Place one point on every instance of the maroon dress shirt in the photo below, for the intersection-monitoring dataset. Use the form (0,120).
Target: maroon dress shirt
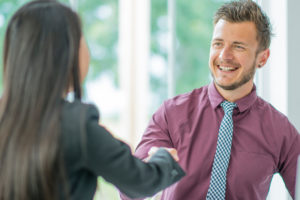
(264,142)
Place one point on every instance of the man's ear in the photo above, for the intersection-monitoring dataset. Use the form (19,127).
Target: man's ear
(263,57)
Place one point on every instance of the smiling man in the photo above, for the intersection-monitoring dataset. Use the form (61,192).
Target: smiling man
(230,141)
(234,56)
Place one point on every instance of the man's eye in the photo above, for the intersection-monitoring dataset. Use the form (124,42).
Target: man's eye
(217,44)
(239,47)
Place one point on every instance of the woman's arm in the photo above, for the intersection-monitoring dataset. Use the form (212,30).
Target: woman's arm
(113,160)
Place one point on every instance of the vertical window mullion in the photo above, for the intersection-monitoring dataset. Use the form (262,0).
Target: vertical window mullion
(171,47)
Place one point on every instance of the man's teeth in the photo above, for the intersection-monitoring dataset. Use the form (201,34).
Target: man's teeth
(223,68)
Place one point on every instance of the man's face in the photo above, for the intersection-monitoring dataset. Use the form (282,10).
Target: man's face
(233,58)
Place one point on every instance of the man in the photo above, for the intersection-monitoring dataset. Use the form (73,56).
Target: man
(230,141)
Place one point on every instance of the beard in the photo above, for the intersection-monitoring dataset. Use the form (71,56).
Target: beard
(246,76)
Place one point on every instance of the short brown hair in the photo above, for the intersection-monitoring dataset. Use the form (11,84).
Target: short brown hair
(247,10)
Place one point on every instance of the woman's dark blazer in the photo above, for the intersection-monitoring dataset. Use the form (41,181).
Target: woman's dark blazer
(89,151)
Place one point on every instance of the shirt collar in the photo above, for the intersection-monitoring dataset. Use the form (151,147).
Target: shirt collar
(243,104)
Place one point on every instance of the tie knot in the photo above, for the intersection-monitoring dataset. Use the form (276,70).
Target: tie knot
(228,106)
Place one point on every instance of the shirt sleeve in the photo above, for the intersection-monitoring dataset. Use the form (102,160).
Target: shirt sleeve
(112,159)
(288,157)
(156,134)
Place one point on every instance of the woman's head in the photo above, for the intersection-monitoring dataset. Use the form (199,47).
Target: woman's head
(42,51)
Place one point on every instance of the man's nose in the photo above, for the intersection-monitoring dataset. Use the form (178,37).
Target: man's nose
(226,53)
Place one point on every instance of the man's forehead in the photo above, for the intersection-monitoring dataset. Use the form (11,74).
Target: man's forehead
(244,32)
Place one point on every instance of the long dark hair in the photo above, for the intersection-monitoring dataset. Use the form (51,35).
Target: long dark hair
(40,65)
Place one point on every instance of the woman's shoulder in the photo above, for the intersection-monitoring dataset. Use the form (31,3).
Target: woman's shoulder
(78,110)
(78,106)
(74,119)
(76,114)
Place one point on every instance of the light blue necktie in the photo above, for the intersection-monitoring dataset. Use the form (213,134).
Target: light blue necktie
(217,186)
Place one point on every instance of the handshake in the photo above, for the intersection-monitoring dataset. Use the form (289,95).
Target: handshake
(171,151)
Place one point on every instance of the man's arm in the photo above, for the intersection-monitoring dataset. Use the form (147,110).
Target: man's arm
(288,158)
(156,135)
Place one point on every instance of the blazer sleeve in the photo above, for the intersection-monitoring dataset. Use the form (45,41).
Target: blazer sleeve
(112,159)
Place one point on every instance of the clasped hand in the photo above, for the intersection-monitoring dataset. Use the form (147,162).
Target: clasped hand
(172,151)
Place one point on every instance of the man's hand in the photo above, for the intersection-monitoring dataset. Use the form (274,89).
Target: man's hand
(172,151)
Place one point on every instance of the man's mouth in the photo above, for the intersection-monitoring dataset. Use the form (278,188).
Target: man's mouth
(227,68)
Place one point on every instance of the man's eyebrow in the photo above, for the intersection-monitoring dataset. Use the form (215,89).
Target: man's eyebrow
(235,42)
(218,39)
(239,43)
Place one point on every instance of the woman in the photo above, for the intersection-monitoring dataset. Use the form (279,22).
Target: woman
(49,148)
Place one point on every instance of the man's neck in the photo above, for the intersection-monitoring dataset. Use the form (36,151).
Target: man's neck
(236,94)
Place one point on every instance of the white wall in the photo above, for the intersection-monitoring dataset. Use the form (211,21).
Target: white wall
(293,56)
(277,82)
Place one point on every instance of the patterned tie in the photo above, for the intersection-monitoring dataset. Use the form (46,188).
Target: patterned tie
(217,185)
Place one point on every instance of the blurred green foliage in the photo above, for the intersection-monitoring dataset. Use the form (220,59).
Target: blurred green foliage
(193,33)
(194,29)
(100,26)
